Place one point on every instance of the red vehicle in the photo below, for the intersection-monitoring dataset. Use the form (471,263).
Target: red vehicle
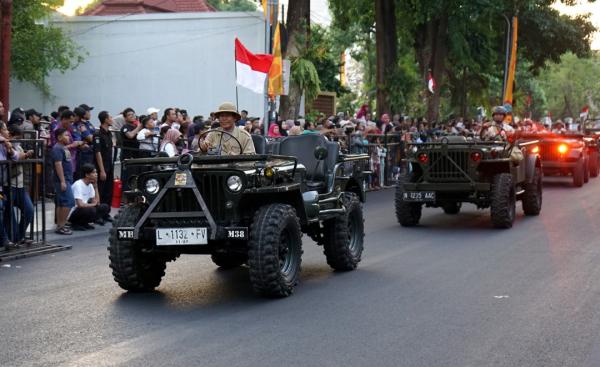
(568,154)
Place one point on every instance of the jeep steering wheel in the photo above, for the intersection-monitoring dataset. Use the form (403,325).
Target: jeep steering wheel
(221,140)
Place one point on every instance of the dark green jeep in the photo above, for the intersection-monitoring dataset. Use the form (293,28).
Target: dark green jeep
(242,209)
(456,170)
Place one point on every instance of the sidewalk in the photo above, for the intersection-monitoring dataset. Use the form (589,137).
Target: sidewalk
(54,242)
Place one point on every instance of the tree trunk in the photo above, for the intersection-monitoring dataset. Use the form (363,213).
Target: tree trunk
(437,64)
(298,26)
(387,51)
(567,112)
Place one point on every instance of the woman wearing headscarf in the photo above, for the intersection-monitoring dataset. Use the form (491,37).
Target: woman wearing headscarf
(169,142)
(274,131)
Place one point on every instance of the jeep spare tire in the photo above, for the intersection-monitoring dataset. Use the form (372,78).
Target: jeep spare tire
(228,261)
(452,208)
(275,250)
(407,213)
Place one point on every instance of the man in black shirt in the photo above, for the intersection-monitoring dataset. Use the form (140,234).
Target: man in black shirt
(129,135)
(103,148)
(129,144)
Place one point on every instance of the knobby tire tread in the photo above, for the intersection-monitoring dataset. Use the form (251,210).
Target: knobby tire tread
(336,244)
(263,250)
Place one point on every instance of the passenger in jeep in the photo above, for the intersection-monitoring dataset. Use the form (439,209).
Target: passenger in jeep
(224,143)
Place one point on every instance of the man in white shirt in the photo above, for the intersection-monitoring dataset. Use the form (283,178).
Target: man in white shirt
(87,201)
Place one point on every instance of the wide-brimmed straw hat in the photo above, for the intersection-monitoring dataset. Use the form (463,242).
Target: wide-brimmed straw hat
(229,108)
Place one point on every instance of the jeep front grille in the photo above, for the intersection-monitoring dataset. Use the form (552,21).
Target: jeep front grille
(549,152)
(443,170)
(210,186)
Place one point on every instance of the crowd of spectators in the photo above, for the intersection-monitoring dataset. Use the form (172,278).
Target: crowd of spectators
(81,153)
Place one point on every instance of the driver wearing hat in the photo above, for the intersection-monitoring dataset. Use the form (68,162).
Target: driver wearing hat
(228,117)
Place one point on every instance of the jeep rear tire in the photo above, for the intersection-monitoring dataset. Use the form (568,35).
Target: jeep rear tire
(578,174)
(408,214)
(452,208)
(532,197)
(586,171)
(594,164)
(503,201)
(343,236)
(275,250)
(133,269)
(228,261)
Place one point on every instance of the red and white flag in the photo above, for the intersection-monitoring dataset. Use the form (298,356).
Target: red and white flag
(251,69)
(430,83)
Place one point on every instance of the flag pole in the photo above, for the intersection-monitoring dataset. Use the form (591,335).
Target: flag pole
(237,105)
(267,51)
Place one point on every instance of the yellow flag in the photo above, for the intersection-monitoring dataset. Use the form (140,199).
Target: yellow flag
(508,94)
(276,71)
(273,4)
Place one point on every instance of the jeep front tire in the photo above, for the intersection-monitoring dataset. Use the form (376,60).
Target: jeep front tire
(532,197)
(503,201)
(275,250)
(133,269)
(578,173)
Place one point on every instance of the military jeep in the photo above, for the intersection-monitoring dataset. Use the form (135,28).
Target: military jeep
(242,209)
(456,170)
(568,154)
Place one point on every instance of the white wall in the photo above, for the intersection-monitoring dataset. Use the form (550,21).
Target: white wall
(179,59)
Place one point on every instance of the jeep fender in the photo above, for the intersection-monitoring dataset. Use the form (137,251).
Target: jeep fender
(251,202)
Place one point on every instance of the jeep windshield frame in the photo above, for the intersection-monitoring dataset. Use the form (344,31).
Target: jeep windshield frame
(246,161)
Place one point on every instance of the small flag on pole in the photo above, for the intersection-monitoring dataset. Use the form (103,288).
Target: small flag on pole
(251,69)
(430,83)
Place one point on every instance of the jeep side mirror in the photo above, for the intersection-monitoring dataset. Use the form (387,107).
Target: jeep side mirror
(320,153)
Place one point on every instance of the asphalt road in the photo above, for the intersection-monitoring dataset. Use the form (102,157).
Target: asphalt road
(452,292)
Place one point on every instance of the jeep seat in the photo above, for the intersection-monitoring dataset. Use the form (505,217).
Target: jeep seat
(303,147)
(260,144)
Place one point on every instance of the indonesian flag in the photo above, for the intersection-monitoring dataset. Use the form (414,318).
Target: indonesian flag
(430,83)
(251,69)
(584,112)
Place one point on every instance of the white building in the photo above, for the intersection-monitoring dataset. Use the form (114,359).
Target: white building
(169,59)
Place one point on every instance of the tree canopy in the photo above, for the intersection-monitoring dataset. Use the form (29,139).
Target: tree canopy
(462,44)
(38,49)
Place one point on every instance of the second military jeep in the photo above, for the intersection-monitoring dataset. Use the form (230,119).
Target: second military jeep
(569,154)
(456,170)
(242,209)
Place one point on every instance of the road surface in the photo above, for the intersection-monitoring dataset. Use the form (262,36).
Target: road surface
(452,292)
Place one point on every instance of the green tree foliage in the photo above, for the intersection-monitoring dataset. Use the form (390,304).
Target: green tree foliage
(233,5)
(463,44)
(39,49)
(571,84)
(325,53)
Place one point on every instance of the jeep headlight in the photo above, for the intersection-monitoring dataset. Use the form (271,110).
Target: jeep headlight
(152,186)
(234,183)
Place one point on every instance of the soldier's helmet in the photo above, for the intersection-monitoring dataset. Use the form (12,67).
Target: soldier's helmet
(499,110)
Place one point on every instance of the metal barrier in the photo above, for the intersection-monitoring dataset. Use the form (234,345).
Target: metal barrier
(24,187)
(386,152)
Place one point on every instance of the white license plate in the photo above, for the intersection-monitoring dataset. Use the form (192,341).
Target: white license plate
(419,196)
(181,236)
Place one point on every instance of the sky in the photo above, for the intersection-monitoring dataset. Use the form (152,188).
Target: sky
(319,12)
(581,8)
